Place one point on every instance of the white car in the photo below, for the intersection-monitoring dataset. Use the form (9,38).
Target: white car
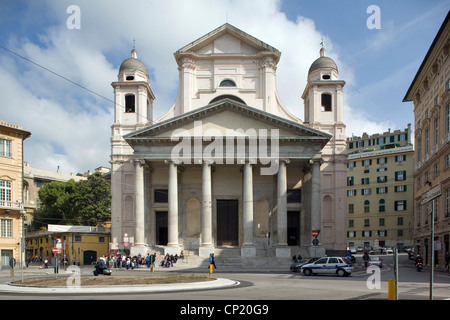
(328,265)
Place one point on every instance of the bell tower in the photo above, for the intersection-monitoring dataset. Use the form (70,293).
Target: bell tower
(133,110)
(323,106)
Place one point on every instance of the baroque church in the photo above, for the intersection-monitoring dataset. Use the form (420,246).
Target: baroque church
(228,166)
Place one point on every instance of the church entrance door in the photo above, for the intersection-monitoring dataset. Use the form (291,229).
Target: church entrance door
(161,228)
(227,222)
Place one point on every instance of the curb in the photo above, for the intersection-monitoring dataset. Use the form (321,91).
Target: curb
(216,284)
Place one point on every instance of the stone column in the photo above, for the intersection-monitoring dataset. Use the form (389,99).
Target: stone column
(316,208)
(139,240)
(248,247)
(172,224)
(282,249)
(206,210)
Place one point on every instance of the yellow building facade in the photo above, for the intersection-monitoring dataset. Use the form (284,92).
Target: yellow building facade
(80,244)
(380,190)
(11,195)
(430,93)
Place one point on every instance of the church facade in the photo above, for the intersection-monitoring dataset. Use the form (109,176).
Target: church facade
(228,166)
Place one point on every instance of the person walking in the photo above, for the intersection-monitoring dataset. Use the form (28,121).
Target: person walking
(212,260)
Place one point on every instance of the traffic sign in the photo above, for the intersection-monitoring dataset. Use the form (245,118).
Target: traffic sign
(315,242)
(315,233)
(126,244)
(56,250)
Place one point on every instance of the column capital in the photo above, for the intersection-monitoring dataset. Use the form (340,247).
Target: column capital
(136,162)
(286,161)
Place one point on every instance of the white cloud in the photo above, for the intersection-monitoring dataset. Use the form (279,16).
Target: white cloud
(71,127)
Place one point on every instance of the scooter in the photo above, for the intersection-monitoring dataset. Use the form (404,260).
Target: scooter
(419,266)
(105,271)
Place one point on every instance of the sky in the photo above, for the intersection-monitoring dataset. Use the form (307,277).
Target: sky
(68,106)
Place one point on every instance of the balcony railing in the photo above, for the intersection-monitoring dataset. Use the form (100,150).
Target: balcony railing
(11,205)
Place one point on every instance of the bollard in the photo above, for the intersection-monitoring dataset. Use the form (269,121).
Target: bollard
(391,290)
(153,268)
(210,268)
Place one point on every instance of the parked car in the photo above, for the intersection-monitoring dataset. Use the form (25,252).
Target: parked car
(375,261)
(389,250)
(351,249)
(328,265)
(296,266)
(378,251)
(359,249)
(407,249)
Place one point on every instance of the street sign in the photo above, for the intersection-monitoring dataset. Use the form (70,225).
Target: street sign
(56,250)
(126,244)
(315,242)
(431,194)
(315,233)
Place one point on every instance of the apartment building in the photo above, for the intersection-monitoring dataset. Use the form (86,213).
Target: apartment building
(430,93)
(11,196)
(379,190)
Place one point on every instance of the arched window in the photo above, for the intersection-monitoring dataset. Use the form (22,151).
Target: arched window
(227,83)
(227,96)
(130,103)
(326,101)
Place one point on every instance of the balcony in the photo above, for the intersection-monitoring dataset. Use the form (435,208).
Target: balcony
(10,205)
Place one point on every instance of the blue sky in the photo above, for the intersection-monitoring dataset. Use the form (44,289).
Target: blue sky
(71,126)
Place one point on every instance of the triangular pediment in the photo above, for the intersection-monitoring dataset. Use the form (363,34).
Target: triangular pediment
(227,40)
(225,118)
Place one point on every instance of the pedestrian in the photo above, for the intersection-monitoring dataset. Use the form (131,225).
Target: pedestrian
(447,261)
(212,260)
(366,259)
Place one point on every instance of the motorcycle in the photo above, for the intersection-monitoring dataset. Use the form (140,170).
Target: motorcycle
(104,271)
(419,266)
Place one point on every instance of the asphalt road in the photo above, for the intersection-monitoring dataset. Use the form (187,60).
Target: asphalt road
(283,285)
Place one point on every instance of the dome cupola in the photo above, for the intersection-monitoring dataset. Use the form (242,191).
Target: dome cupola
(323,68)
(133,69)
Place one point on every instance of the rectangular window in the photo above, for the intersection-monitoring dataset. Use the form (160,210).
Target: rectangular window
(366,222)
(350,181)
(400,205)
(351,208)
(400,175)
(5,193)
(365,191)
(382,179)
(381,190)
(400,188)
(5,148)
(161,195)
(294,195)
(351,193)
(365,181)
(447,203)
(6,228)
(400,221)
(366,163)
(381,222)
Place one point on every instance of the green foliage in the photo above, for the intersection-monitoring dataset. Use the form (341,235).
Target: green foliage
(74,203)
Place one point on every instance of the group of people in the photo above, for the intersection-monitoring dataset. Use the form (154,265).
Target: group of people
(131,262)
(170,259)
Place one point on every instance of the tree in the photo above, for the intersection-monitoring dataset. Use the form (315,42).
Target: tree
(74,203)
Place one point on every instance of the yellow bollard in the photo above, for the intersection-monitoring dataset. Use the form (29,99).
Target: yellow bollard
(211,268)
(391,289)
(153,268)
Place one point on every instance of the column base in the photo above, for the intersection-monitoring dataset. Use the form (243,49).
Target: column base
(205,251)
(316,251)
(141,249)
(283,252)
(248,251)
(172,250)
